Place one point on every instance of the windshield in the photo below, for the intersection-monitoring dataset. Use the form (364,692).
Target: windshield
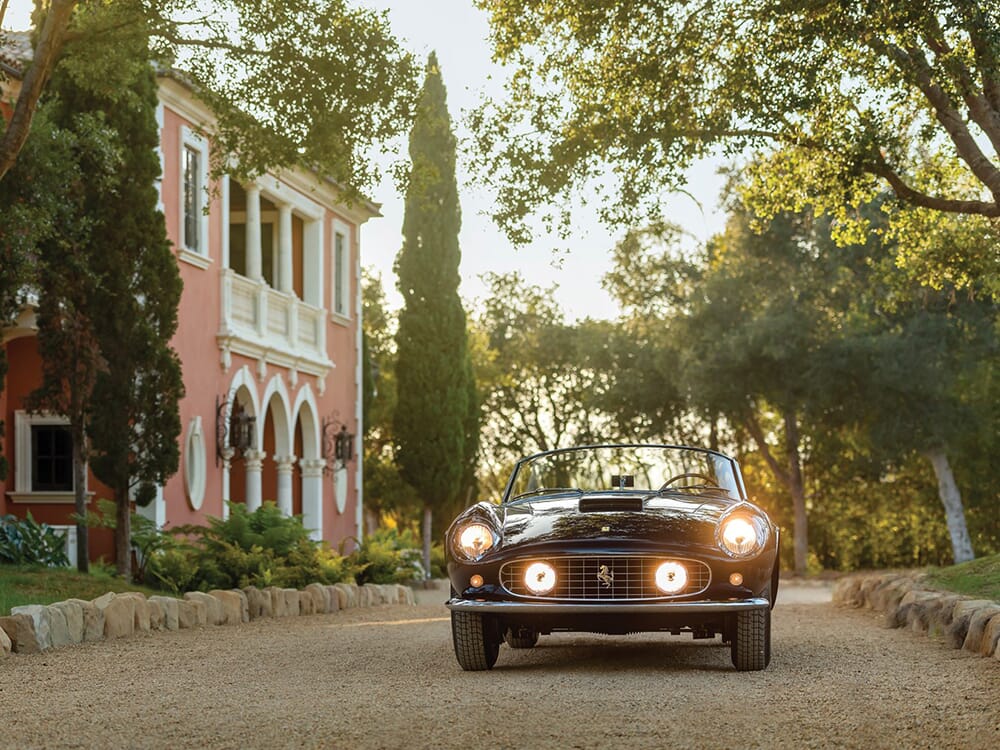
(642,468)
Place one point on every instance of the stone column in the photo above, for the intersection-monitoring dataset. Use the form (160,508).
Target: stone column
(253,234)
(285,248)
(227,465)
(285,464)
(254,462)
(312,496)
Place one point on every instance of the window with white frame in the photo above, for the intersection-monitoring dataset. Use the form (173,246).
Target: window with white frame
(51,458)
(43,458)
(341,269)
(194,193)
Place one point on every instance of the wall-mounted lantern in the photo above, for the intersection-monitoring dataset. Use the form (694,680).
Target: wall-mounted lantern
(338,444)
(234,434)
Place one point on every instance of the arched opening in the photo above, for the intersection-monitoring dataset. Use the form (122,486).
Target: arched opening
(237,471)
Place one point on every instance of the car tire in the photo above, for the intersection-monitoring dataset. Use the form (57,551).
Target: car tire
(476,644)
(751,640)
(524,638)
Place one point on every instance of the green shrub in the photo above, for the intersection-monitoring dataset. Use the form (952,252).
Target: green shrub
(263,548)
(146,540)
(174,569)
(388,556)
(27,542)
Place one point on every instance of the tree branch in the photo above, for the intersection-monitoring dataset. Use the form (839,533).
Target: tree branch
(917,198)
(982,112)
(50,42)
(983,48)
(953,123)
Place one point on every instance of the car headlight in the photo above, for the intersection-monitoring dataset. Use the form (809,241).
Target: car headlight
(540,578)
(741,535)
(473,540)
(671,577)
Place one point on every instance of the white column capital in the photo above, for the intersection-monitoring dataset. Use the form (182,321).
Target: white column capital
(312,467)
(254,460)
(285,463)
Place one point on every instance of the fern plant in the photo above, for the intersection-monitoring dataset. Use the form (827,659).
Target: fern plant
(24,541)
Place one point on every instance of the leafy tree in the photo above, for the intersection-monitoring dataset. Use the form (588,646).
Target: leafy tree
(848,98)
(431,421)
(817,356)
(387,496)
(33,204)
(68,302)
(746,333)
(135,431)
(69,297)
(916,359)
(312,83)
(544,378)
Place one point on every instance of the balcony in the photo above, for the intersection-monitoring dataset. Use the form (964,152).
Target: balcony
(271,326)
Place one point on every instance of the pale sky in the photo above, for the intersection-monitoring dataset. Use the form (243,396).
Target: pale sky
(458,32)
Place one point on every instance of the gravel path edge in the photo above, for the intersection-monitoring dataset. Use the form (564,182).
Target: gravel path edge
(960,622)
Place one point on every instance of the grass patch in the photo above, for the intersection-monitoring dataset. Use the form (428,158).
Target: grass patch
(977,578)
(40,585)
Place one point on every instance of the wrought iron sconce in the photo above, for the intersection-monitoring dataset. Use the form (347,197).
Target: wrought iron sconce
(234,432)
(338,444)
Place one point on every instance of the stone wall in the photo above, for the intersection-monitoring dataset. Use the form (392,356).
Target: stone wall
(959,621)
(37,627)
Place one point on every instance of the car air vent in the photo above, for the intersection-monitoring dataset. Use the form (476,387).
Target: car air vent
(609,504)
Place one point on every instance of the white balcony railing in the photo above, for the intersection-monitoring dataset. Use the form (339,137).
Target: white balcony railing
(263,322)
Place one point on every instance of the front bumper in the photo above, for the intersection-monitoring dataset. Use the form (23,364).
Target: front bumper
(693,609)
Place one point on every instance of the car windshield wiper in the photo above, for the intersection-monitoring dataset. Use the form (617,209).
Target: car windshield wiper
(547,490)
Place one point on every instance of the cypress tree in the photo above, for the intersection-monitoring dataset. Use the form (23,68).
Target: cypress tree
(135,422)
(431,421)
(69,293)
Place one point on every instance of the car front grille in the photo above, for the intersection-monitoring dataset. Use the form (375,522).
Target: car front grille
(605,578)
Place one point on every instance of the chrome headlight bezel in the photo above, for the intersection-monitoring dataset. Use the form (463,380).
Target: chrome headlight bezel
(754,521)
(461,540)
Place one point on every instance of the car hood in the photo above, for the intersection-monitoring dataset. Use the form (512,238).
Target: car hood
(659,520)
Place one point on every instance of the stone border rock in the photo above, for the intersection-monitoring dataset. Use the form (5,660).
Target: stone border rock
(33,628)
(960,621)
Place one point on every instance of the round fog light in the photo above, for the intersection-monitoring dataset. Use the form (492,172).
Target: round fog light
(671,577)
(736,579)
(476,581)
(540,578)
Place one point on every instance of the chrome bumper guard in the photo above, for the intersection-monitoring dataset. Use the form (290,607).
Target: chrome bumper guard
(610,608)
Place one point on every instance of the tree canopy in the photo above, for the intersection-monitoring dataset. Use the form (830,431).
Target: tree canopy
(310,83)
(845,99)
(818,361)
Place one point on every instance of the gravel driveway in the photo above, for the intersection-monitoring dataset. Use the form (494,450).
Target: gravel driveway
(387,678)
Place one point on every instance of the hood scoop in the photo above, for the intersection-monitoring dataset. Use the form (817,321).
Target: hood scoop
(610,504)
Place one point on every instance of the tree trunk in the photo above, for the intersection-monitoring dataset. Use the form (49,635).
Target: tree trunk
(951,499)
(371,519)
(428,517)
(36,77)
(123,533)
(796,488)
(80,500)
(790,476)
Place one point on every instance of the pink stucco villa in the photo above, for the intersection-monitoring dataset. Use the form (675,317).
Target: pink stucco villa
(269,338)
